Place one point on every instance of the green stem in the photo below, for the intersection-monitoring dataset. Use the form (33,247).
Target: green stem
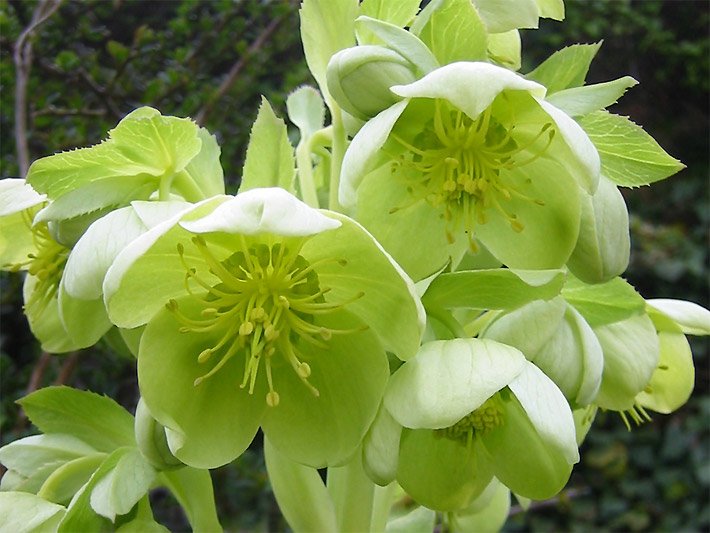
(382,504)
(339,142)
(192,489)
(305,175)
(352,493)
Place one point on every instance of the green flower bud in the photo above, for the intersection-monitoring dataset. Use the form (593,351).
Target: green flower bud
(360,78)
(152,442)
(603,246)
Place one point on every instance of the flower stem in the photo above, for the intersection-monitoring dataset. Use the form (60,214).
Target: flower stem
(339,142)
(352,493)
(305,175)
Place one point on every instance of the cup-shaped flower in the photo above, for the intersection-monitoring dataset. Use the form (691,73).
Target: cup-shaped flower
(31,247)
(262,311)
(472,409)
(554,336)
(472,153)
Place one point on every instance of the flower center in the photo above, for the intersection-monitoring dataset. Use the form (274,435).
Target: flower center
(46,263)
(263,305)
(486,417)
(463,165)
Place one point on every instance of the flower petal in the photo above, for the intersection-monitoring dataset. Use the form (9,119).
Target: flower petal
(207,425)
(470,86)
(350,375)
(263,210)
(447,380)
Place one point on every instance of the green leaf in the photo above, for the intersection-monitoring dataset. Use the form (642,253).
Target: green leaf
(630,157)
(500,16)
(399,13)
(604,303)
(97,420)
(565,68)
(269,161)
(29,454)
(120,489)
(578,101)
(80,516)
(453,31)
(498,288)
(327,26)
(62,484)
(293,484)
(551,9)
(21,512)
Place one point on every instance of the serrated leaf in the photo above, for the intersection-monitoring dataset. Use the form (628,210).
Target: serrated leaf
(630,157)
(398,12)
(97,420)
(453,31)
(120,489)
(565,68)
(578,101)
(269,161)
(492,289)
(144,145)
(327,26)
(604,303)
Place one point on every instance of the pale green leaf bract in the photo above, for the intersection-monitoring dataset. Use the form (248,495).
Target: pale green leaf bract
(492,289)
(21,512)
(269,160)
(630,157)
(120,489)
(306,110)
(17,195)
(509,15)
(453,31)
(326,27)
(28,454)
(552,9)
(578,101)
(565,68)
(97,420)
(604,303)
(418,520)
(399,13)
(62,484)
(692,318)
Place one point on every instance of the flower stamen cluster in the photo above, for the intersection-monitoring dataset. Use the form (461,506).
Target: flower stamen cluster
(486,417)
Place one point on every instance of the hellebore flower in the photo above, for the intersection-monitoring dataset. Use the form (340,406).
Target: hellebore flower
(469,410)
(262,311)
(31,247)
(473,153)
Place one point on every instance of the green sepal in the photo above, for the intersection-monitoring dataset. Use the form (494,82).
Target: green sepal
(418,520)
(269,160)
(488,517)
(498,288)
(603,303)
(565,68)
(294,483)
(97,420)
(630,157)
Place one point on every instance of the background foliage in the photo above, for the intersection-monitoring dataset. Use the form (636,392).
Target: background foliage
(96,60)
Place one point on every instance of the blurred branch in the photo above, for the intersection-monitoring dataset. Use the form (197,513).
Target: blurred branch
(22,57)
(63,111)
(202,114)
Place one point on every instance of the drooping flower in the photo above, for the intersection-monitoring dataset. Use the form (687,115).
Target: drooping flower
(261,311)
(463,411)
(473,154)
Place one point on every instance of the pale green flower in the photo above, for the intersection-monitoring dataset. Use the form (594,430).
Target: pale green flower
(472,154)
(262,311)
(463,411)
